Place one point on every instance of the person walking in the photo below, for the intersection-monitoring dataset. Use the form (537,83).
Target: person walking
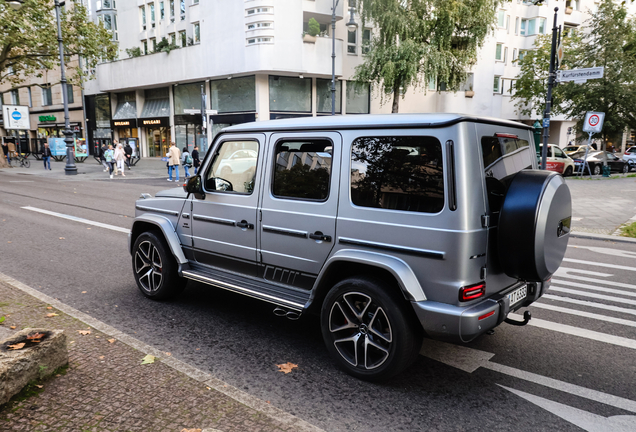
(195,159)
(102,159)
(46,156)
(109,155)
(128,151)
(120,157)
(5,150)
(174,157)
(186,160)
(114,147)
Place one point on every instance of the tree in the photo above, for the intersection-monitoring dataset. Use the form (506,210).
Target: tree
(28,40)
(419,39)
(607,39)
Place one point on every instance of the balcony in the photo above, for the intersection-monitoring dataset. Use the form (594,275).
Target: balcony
(313,8)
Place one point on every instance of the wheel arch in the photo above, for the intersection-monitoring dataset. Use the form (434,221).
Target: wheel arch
(160,225)
(351,262)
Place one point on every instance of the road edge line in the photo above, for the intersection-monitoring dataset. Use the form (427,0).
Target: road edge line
(192,372)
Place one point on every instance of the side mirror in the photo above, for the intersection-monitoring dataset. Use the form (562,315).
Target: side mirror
(195,186)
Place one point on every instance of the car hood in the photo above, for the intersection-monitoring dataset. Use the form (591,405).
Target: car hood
(177,192)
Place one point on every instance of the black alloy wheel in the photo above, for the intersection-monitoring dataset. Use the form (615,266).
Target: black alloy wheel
(568,171)
(369,330)
(155,269)
(625,168)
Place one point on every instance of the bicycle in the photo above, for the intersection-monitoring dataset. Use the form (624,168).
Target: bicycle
(24,162)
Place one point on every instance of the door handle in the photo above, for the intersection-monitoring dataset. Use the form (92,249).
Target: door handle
(320,236)
(244,224)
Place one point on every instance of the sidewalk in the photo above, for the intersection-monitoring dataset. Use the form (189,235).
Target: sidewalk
(106,388)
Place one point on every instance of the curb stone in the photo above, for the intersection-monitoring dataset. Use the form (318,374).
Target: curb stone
(593,236)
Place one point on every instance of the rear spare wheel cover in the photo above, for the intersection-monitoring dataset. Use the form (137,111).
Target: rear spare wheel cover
(534,225)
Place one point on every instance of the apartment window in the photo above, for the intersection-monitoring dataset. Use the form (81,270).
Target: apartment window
(162,12)
(522,54)
(195,1)
(153,41)
(182,37)
(569,30)
(574,4)
(173,38)
(259,25)
(496,87)
(69,93)
(30,97)
(530,27)
(505,55)
(501,18)
(182,9)
(197,33)
(145,42)
(253,41)
(366,40)
(171,10)
(260,10)
(517,26)
(431,84)
(47,97)
(352,37)
(499,52)
(15,97)
(152,14)
(142,11)
(514,56)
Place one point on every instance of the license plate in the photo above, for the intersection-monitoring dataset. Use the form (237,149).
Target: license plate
(518,295)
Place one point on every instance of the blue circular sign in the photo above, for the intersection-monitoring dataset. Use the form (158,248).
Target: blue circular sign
(16,115)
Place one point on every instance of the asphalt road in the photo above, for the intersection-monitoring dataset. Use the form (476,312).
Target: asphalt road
(571,369)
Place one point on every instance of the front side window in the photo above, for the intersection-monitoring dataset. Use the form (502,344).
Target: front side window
(302,169)
(234,168)
(398,173)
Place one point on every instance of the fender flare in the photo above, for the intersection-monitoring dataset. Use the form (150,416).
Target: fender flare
(167,230)
(409,284)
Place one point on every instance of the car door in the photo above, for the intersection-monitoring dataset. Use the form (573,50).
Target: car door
(552,162)
(614,163)
(299,206)
(224,222)
(560,158)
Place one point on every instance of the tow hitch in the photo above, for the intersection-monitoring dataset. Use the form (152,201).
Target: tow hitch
(527,316)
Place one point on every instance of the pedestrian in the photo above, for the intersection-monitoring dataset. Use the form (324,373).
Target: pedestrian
(46,156)
(128,151)
(109,155)
(5,149)
(102,159)
(186,159)
(114,147)
(120,157)
(195,159)
(174,157)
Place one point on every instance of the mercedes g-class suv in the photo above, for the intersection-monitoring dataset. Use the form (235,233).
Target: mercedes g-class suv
(390,227)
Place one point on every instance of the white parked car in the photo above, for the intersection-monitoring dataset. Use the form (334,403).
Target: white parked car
(557,160)
(630,157)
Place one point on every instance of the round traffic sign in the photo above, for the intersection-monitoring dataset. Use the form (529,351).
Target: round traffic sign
(593,120)
(16,115)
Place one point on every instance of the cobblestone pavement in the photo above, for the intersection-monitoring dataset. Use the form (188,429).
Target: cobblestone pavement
(602,205)
(106,388)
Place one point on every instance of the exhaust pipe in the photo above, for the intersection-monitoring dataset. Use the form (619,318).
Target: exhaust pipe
(292,315)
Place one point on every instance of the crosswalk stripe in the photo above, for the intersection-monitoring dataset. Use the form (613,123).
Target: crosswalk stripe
(593,295)
(593,263)
(565,272)
(589,304)
(78,219)
(592,287)
(606,318)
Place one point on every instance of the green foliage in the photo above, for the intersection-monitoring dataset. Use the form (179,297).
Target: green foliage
(165,46)
(629,230)
(2,319)
(607,39)
(28,40)
(133,52)
(314,27)
(417,39)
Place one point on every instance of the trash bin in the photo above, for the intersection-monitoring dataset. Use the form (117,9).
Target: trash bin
(606,171)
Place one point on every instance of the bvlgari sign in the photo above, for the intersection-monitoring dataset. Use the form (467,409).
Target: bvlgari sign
(125,123)
(162,121)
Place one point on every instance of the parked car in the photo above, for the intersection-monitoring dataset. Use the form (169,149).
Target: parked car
(630,157)
(575,148)
(557,160)
(387,227)
(596,160)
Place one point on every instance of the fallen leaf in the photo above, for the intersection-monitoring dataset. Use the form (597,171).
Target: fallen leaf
(12,327)
(39,386)
(190,430)
(148,359)
(8,242)
(2,319)
(49,307)
(268,402)
(97,337)
(101,357)
(287,367)
(16,346)
(84,332)
(72,341)
(35,337)
(83,292)
(62,238)
(169,354)
(51,315)
(111,340)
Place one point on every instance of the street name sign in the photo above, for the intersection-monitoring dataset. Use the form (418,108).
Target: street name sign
(593,122)
(580,75)
(198,111)
(16,117)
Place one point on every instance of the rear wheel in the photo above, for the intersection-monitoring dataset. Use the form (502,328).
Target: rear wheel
(27,164)
(625,168)
(368,329)
(568,171)
(155,269)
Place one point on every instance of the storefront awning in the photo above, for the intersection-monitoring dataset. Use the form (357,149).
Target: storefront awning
(156,108)
(125,110)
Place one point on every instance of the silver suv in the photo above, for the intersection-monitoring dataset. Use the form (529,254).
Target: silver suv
(390,227)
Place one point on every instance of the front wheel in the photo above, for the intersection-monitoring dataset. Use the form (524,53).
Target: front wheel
(625,168)
(155,268)
(568,171)
(368,329)
(596,170)
(26,162)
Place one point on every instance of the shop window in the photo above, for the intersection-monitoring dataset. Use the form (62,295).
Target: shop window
(323,96)
(289,94)
(233,95)
(352,37)
(187,96)
(197,33)
(302,169)
(358,97)
(15,97)
(47,96)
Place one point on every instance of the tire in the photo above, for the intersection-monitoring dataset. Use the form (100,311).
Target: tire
(568,172)
(625,168)
(534,225)
(27,164)
(596,170)
(155,269)
(351,317)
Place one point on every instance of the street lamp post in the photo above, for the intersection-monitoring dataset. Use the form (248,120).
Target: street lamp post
(351,25)
(548,98)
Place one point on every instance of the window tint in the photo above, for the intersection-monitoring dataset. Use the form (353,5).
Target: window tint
(234,167)
(398,173)
(499,148)
(302,169)
(558,152)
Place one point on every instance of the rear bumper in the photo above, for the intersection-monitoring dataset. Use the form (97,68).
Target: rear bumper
(444,321)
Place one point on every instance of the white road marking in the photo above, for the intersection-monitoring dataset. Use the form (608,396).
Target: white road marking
(592,263)
(607,251)
(589,304)
(584,314)
(576,331)
(77,219)
(470,359)
(566,273)
(587,421)
(21,181)
(593,295)
(592,287)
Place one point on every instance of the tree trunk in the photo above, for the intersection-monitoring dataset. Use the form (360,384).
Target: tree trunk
(3,160)
(396,99)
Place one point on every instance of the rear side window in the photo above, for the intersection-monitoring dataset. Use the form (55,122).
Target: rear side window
(302,169)
(398,173)
(505,154)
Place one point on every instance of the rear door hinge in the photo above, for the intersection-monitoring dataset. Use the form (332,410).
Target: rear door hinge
(485,221)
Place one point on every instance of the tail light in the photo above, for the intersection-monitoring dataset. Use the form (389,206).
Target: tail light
(472,292)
